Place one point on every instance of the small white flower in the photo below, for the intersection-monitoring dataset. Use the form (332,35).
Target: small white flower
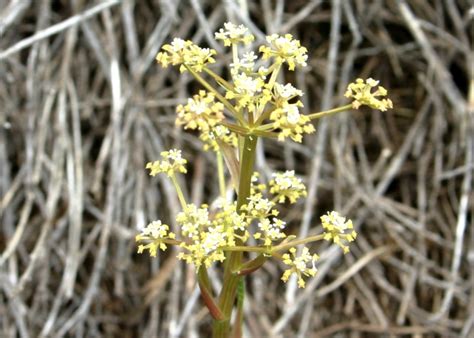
(287,91)
(293,113)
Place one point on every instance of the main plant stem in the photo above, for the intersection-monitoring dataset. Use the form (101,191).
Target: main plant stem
(221,328)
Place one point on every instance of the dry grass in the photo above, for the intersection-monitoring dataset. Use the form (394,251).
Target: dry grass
(83,107)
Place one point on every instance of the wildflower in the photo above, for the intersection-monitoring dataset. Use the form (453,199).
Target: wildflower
(171,163)
(290,122)
(192,220)
(255,185)
(155,232)
(201,112)
(233,34)
(204,248)
(245,64)
(298,265)
(259,207)
(285,92)
(339,230)
(185,53)
(362,95)
(286,185)
(245,90)
(233,224)
(218,133)
(285,49)
(270,231)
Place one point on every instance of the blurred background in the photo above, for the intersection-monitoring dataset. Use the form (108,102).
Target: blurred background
(84,106)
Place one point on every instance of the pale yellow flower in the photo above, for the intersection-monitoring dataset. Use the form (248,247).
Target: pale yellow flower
(244,64)
(338,229)
(185,53)
(299,265)
(218,133)
(171,163)
(283,93)
(246,90)
(259,207)
(287,186)
(291,123)
(154,233)
(193,219)
(230,222)
(233,34)
(204,248)
(201,112)
(256,186)
(270,231)
(285,49)
(360,91)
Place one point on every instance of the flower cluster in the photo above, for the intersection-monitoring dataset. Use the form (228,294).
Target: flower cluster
(207,233)
(253,90)
(360,91)
(246,91)
(219,133)
(287,186)
(201,112)
(291,122)
(259,207)
(299,265)
(286,116)
(155,234)
(186,55)
(285,49)
(233,34)
(248,104)
(338,229)
(171,163)
(270,231)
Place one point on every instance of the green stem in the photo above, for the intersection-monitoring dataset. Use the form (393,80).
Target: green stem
(205,287)
(291,244)
(315,116)
(219,80)
(221,329)
(181,198)
(235,128)
(220,171)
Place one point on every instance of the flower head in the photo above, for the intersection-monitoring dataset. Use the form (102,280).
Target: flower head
(285,49)
(245,64)
(360,91)
(219,133)
(155,233)
(259,207)
(186,54)
(246,90)
(230,222)
(285,92)
(204,248)
(291,123)
(233,34)
(299,265)
(270,231)
(171,163)
(287,185)
(192,220)
(338,229)
(201,112)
